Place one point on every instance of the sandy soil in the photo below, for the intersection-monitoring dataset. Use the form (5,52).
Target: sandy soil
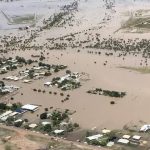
(24,140)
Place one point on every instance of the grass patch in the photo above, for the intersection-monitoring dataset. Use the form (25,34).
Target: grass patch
(144,70)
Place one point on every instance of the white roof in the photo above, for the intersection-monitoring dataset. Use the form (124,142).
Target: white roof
(106,131)
(4,118)
(33,125)
(37,68)
(47,83)
(110,144)
(45,123)
(29,107)
(19,120)
(26,81)
(15,78)
(136,137)
(123,141)
(63,123)
(13,114)
(94,137)
(145,128)
(6,114)
(58,131)
(126,136)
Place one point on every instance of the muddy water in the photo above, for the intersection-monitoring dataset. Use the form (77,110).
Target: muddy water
(92,110)
(95,110)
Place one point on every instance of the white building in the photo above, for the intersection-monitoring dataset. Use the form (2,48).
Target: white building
(94,137)
(30,107)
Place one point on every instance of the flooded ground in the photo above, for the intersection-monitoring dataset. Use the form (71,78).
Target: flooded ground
(39,8)
(91,110)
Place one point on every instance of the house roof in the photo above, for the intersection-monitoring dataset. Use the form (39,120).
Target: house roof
(106,131)
(136,137)
(6,114)
(45,123)
(94,137)
(33,125)
(145,128)
(29,107)
(58,131)
(123,141)
(126,136)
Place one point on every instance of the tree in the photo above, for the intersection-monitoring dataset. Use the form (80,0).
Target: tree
(31,74)
(9,121)
(2,84)
(18,124)
(3,106)
(47,128)
(43,116)
(68,72)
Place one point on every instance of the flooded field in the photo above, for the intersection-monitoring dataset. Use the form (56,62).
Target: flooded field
(14,13)
(80,38)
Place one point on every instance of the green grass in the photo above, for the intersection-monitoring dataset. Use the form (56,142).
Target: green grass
(143,70)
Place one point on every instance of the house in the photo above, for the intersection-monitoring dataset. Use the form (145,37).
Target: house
(94,137)
(58,131)
(46,123)
(126,136)
(19,120)
(47,83)
(136,137)
(105,131)
(145,128)
(110,144)
(123,141)
(32,126)
(5,114)
(12,114)
(30,107)
(27,81)
(21,111)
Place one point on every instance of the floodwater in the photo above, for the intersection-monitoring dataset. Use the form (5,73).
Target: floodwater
(94,110)
(41,8)
(91,110)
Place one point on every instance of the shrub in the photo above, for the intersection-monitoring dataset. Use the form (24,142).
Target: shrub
(112,102)
(43,116)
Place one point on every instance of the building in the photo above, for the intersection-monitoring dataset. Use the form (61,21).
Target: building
(30,107)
